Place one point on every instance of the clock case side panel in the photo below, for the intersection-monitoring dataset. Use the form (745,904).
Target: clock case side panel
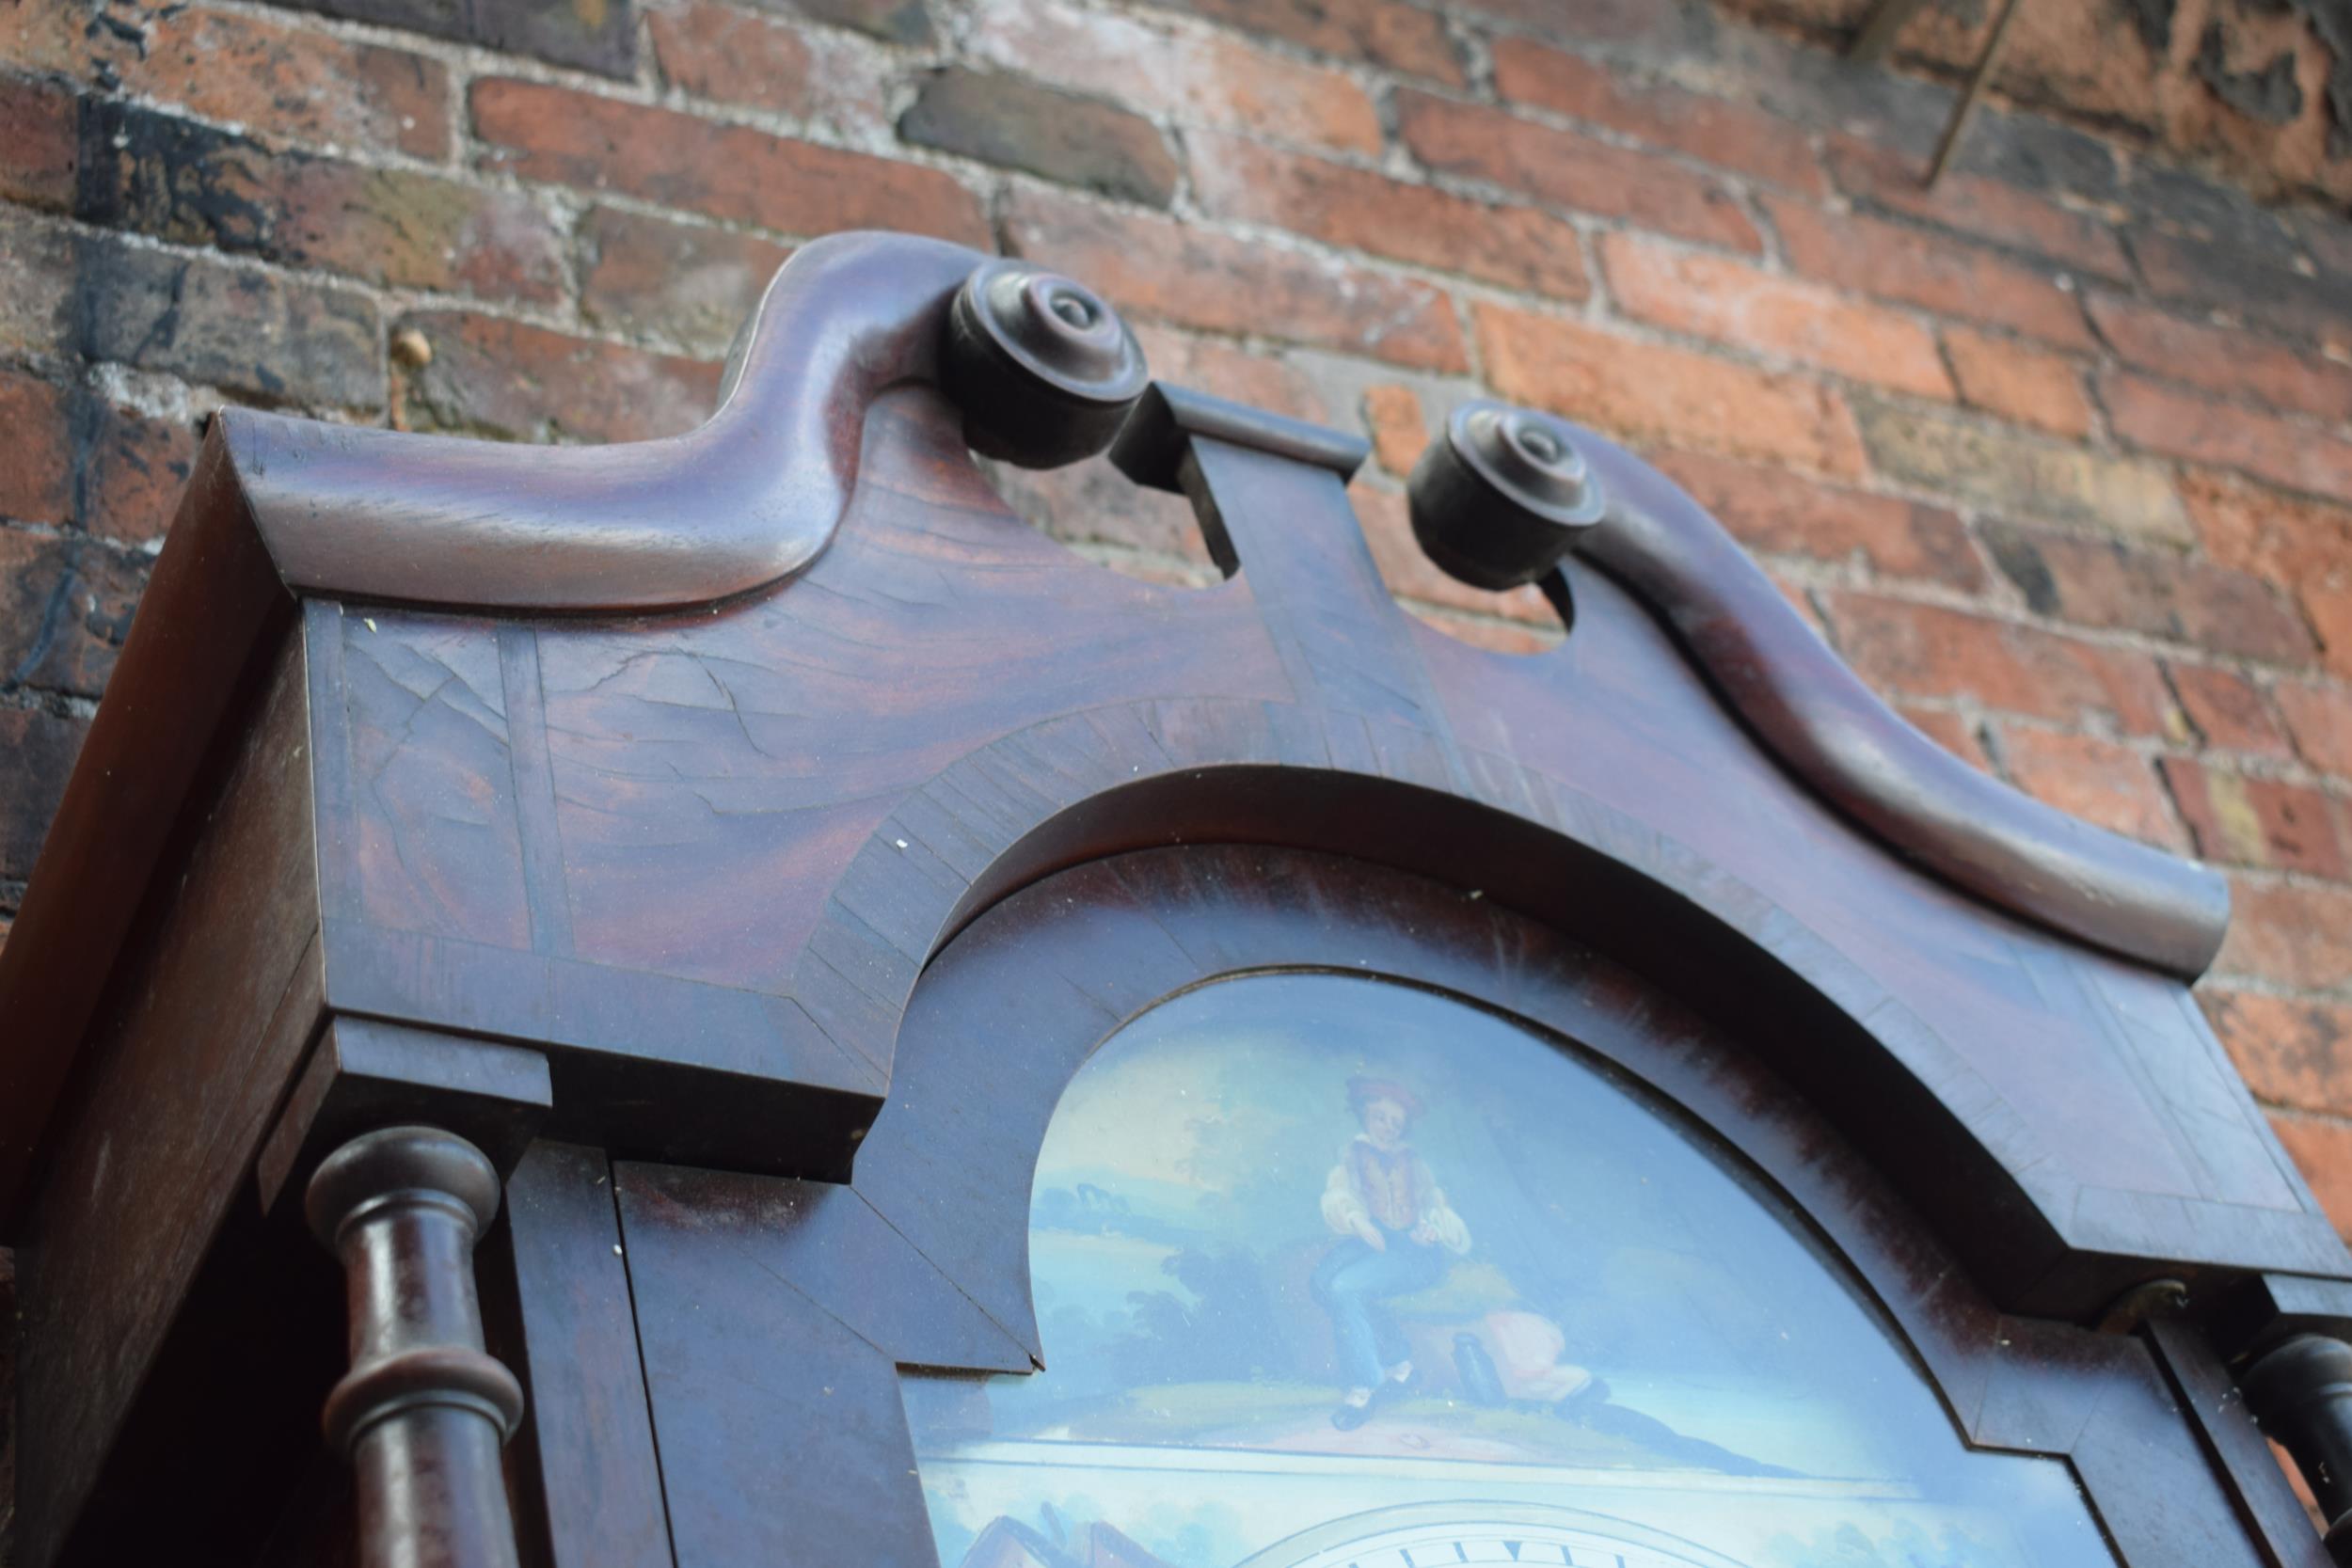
(156,1300)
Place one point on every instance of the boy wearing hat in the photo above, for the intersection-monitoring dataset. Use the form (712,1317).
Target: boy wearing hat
(1399,1235)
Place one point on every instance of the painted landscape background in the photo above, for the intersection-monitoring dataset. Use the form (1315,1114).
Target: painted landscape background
(1632,1323)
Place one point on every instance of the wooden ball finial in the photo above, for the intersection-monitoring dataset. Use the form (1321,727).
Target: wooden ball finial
(1043,368)
(1503,496)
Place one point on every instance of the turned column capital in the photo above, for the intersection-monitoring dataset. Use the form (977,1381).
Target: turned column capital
(424,1410)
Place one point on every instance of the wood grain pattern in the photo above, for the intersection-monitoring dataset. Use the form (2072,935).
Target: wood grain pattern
(731,1274)
(589,1485)
(176,1096)
(600,528)
(548,755)
(705,853)
(767,818)
(2205,1390)
(1836,734)
(210,625)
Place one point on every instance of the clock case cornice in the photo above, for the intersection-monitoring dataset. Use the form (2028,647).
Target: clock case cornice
(676,763)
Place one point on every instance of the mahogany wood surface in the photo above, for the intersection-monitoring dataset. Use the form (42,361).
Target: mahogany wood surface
(1837,735)
(675,765)
(758,1329)
(2205,1390)
(212,611)
(763,818)
(589,1489)
(667,846)
(595,527)
(364,1074)
(221,994)
(424,1411)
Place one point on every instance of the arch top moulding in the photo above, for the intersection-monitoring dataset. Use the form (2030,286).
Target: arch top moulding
(677,760)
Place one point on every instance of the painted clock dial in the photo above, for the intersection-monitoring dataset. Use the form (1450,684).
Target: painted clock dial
(1494,1535)
(1306,1247)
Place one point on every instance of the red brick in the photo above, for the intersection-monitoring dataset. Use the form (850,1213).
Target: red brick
(1978,207)
(2252,284)
(892,21)
(1652,394)
(2322,1151)
(498,377)
(2228,710)
(1354,209)
(1917,650)
(270,336)
(36,753)
(1729,135)
(192,184)
(64,606)
(2010,472)
(1018,124)
(40,143)
(2296,933)
(2231,362)
(1563,168)
(1874,256)
(37,459)
(1150,535)
(2181,423)
(727,172)
(1413,577)
(2247,821)
(691,284)
(264,76)
(1951,731)
(2097,780)
(1399,427)
(1781,512)
(2328,606)
(2095,583)
(133,468)
(730,55)
(1157,268)
(2285,538)
(2304,545)
(70,457)
(1378,32)
(1643,24)
(2319,717)
(41,268)
(1196,78)
(1253,376)
(2017,383)
(1714,296)
(2292,1052)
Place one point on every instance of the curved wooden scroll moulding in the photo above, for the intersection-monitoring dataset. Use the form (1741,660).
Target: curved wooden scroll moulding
(277,503)
(746,499)
(1831,731)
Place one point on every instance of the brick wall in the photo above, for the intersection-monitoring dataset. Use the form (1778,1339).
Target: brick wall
(2260,87)
(2060,458)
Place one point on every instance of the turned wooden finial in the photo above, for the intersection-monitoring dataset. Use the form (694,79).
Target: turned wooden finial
(1042,365)
(424,1410)
(1503,495)
(2300,1390)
